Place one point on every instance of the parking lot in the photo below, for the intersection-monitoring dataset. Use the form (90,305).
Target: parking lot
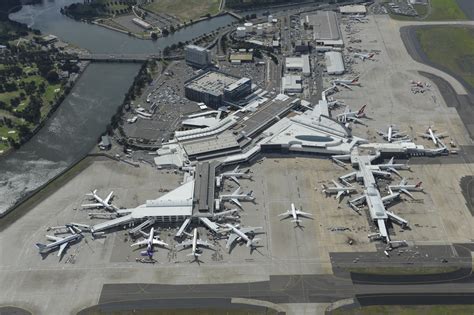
(163,104)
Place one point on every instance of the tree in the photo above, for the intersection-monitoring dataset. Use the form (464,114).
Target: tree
(52,76)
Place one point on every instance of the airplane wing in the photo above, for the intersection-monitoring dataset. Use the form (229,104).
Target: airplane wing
(339,194)
(287,213)
(236,192)
(204,243)
(160,243)
(345,85)
(407,192)
(336,184)
(62,247)
(108,197)
(393,170)
(232,238)
(145,235)
(236,169)
(235,179)
(298,212)
(140,243)
(236,201)
(92,205)
(185,244)
(403,182)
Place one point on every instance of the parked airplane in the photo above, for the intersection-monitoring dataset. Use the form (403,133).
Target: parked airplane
(236,196)
(150,240)
(353,116)
(194,243)
(60,242)
(347,82)
(239,234)
(101,203)
(364,56)
(226,215)
(294,213)
(392,133)
(430,134)
(338,189)
(393,167)
(234,175)
(405,187)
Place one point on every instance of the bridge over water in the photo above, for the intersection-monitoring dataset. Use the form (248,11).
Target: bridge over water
(139,58)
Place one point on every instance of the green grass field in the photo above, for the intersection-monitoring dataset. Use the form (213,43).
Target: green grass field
(451,47)
(441,10)
(445,10)
(185,10)
(408,310)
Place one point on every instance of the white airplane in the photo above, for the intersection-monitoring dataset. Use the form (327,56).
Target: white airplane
(346,82)
(238,234)
(60,242)
(149,241)
(294,213)
(393,167)
(234,175)
(339,189)
(364,56)
(391,134)
(226,215)
(194,243)
(236,196)
(430,134)
(353,116)
(101,203)
(405,187)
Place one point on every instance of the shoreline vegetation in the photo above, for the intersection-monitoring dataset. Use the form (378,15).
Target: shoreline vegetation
(36,74)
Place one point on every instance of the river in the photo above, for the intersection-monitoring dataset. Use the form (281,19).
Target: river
(74,128)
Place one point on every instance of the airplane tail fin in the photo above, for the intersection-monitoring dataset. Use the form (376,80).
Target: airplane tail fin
(250,194)
(419,185)
(194,254)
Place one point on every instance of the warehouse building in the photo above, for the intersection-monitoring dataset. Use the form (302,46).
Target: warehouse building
(353,9)
(213,88)
(291,84)
(300,64)
(334,62)
(198,57)
(325,27)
